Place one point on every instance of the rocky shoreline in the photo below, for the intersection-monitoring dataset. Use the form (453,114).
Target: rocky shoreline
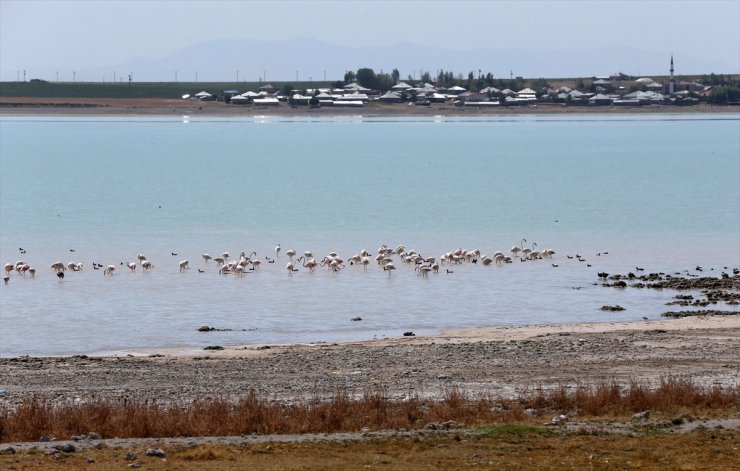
(500,361)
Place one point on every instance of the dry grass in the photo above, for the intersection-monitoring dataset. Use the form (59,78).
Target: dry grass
(127,418)
(701,450)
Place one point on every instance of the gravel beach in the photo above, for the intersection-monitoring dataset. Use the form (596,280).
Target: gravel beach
(502,361)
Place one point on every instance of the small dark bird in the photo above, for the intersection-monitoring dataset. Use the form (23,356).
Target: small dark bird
(60,275)
(174,254)
(95,267)
(6,278)
(588,264)
(23,251)
(603,275)
(639,269)
(71,250)
(569,256)
(450,271)
(200,271)
(269,260)
(645,318)
(20,248)
(606,253)
(598,254)
(555,265)
(698,268)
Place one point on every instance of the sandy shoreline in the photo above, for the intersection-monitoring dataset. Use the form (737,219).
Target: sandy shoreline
(176,107)
(499,360)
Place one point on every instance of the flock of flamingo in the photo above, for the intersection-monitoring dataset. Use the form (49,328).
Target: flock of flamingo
(332,262)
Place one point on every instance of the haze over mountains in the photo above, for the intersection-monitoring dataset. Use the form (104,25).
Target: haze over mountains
(311,59)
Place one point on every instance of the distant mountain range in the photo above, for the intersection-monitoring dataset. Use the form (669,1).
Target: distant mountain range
(311,59)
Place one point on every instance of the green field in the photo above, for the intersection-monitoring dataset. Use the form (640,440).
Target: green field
(134,90)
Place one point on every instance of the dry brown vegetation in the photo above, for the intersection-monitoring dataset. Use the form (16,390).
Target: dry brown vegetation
(129,417)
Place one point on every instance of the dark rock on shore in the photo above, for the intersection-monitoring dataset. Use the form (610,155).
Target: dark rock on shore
(612,308)
(679,314)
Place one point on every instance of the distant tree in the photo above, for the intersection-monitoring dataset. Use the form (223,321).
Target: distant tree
(383,82)
(338,84)
(349,77)
(723,95)
(580,85)
(539,85)
(425,77)
(314,101)
(287,88)
(396,76)
(367,78)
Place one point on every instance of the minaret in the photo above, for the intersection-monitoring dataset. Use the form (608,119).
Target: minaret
(671,83)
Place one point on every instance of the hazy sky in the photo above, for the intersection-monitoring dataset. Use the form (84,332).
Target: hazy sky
(77,34)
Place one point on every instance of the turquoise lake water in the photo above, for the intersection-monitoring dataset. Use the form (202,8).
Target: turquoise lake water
(658,191)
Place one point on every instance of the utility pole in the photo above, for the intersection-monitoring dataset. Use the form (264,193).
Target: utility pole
(296,75)
(175,76)
(57,75)
(24,75)
(74,76)
(325,76)
(237,76)
(114,76)
(196,77)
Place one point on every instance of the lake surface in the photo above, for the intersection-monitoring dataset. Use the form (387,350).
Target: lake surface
(659,191)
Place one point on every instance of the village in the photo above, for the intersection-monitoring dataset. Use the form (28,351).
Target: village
(615,90)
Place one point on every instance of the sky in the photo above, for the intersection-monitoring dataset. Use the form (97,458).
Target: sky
(66,35)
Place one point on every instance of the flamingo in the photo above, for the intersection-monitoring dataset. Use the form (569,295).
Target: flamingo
(58,266)
(527,251)
(515,250)
(131,266)
(389,267)
(206,257)
(310,264)
(277,250)
(108,270)
(290,253)
(256,264)
(183,266)
(226,255)
(290,267)
(365,261)
(423,270)
(141,257)
(8,267)
(147,265)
